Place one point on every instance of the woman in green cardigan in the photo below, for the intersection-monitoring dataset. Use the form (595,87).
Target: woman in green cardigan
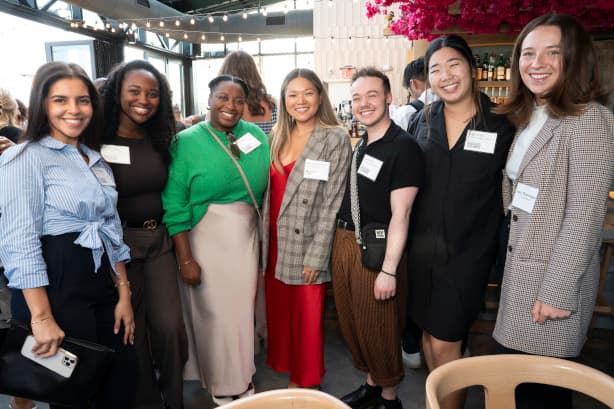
(210,214)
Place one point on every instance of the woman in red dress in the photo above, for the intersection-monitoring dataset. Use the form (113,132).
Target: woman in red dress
(310,155)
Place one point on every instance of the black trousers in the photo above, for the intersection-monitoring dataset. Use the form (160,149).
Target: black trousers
(537,395)
(83,304)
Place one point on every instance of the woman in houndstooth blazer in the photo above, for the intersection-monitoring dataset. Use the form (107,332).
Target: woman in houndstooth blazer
(555,191)
(310,156)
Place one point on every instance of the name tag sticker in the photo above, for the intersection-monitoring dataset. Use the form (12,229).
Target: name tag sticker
(370,167)
(524,197)
(316,169)
(115,154)
(103,176)
(248,143)
(479,141)
(380,234)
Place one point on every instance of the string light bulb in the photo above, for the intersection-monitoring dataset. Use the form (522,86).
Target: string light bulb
(177,23)
(203,37)
(148,24)
(225,17)
(167,35)
(222,37)
(161,23)
(185,36)
(244,15)
(240,39)
(211,19)
(192,21)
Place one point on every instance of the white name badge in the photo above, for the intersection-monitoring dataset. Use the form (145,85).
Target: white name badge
(370,167)
(316,169)
(524,198)
(480,141)
(115,154)
(103,176)
(248,143)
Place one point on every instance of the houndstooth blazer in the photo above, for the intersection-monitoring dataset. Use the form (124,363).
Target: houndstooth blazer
(306,222)
(553,253)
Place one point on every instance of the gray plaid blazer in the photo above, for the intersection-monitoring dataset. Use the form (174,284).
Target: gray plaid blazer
(306,223)
(553,253)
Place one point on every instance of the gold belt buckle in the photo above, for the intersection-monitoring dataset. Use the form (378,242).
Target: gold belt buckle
(150,224)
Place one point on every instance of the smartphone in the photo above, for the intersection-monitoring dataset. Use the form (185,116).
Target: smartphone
(63,362)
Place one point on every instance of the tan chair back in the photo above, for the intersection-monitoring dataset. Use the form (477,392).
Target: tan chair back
(288,399)
(500,374)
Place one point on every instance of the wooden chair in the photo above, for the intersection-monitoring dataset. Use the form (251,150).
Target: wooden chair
(500,374)
(288,399)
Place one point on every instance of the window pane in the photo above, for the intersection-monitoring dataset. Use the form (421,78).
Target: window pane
(175,81)
(212,50)
(250,47)
(274,70)
(304,61)
(133,53)
(204,71)
(282,45)
(304,44)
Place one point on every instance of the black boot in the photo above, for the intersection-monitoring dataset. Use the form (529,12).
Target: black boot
(364,397)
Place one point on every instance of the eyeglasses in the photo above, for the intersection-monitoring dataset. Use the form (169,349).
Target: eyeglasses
(234,146)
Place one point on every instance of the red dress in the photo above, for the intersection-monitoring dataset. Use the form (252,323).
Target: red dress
(295,342)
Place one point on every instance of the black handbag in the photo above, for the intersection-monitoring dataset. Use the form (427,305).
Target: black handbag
(373,245)
(20,376)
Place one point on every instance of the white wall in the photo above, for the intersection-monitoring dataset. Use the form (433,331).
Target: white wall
(347,18)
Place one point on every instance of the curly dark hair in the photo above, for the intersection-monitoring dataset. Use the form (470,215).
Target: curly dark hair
(160,128)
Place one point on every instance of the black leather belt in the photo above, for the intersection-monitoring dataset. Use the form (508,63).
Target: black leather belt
(342,224)
(149,224)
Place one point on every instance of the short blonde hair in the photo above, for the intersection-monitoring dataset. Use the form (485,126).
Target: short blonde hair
(8,108)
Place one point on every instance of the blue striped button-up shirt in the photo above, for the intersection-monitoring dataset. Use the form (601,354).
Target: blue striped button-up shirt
(46,188)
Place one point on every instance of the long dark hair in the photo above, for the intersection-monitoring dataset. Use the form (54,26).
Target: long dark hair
(578,84)
(460,45)
(241,64)
(38,120)
(160,128)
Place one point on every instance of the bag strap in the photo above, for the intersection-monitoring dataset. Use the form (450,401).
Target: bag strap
(247,185)
(354,201)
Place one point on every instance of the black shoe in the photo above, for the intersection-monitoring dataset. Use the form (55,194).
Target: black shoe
(388,404)
(364,397)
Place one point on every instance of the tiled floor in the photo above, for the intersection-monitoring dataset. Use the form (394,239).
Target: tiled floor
(341,377)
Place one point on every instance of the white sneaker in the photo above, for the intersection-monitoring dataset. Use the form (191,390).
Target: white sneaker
(412,361)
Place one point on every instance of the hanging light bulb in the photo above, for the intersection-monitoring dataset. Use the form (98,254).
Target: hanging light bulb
(148,24)
(258,39)
(225,17)
(240,39)
(161,23)
(192,21)
(244,15)
(185,36)
(167,35)
(177,23)
(222,37)
(210,19)
(203,37)
(108,26)
(113,29)
(133,26)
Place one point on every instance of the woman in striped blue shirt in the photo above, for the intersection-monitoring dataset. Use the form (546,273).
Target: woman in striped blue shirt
(60,235)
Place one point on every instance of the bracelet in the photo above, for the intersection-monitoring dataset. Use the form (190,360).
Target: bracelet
(389,274)
(33,323)
(185,263)
(120,283)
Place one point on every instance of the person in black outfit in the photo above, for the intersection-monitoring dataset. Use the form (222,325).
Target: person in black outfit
(139,126)
(458,212)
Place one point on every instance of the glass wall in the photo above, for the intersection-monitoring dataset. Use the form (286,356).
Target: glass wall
(274,58)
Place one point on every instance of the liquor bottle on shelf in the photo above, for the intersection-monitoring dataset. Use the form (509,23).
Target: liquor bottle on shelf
(500,70)
(478,67)
(491,67)
(485,67)
(508,69)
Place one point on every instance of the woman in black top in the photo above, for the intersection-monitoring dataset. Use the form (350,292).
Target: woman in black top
(458,211)
(139,126)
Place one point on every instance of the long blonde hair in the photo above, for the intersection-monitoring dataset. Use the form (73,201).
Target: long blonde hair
(8,108)
(281,131)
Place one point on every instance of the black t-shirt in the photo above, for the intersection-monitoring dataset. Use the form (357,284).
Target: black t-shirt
(140,184)
(402,166)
